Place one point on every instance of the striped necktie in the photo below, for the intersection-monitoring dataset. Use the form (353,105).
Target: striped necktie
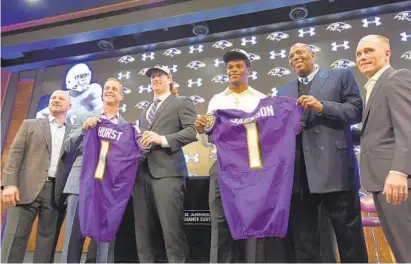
(152,112)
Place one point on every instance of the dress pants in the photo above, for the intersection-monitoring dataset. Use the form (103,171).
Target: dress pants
(74,240)
(19,224)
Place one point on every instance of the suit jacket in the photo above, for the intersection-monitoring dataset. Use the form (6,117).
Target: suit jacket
(330,160)
(174,119)
(386,129)
(73,147)
(29,158)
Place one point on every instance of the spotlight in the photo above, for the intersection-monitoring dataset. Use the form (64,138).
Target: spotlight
(200,29)
(298,13)
(105,45)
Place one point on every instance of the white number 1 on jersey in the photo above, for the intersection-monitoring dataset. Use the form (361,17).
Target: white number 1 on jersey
(253,143)
(102,160)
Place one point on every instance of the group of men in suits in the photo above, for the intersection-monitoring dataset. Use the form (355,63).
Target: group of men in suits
(41,175)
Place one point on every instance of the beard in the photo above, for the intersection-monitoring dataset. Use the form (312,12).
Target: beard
(236,83)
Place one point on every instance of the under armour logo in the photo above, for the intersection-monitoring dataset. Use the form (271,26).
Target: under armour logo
(282,54)
(143,71)
(196,65)
(221,78)
(217,62)
(301,32)
(126,59)
(222,44)
(172,52)
(192,158)
(376,21)
(406,15)
(406,55)
(279,71)
(253,57)
(126,90)
(198,48)
(123,108)
(142,89)
(143,105)
(124,76)
(173,69)
(345,45)
(176,85)
(252,41)
(404,36)
(253,75)
(274,91)
(277,36)
(338,26)
(197,99)
(146,56)
(199,82)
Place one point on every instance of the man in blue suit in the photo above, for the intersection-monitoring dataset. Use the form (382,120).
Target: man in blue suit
(326,169)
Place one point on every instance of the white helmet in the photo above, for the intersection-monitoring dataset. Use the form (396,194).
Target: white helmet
(78,77)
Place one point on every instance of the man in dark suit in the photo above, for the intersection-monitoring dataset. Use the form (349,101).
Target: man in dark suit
(28,184)
(74,240)
(326,170)
(160,184)
(386,141)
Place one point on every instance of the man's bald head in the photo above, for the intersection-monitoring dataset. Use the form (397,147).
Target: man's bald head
(59,103)
(301,59)
(373,53)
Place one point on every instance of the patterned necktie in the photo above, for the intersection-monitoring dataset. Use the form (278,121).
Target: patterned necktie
(152,111)
(304,80)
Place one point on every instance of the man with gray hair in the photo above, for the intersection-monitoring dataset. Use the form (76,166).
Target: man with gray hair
(386,141)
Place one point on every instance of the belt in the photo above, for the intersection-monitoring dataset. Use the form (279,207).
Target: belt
(50,179)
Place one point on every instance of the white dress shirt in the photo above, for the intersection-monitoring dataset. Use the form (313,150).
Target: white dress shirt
(57,137)
(369,86)
(310,77)
(246,101)
(162,98)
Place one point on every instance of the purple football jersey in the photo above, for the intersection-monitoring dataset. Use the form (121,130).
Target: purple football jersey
(110,158)
(255,161)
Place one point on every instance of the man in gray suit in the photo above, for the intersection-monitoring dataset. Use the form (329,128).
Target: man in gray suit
(28,183)
(74,240)
(386,141)
(326,170)
(160,184)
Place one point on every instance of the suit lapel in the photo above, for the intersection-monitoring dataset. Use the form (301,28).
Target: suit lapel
(294,89)
(371,99)
(121,120)
(45,128)
(66,132)
(318,82)
(162,106)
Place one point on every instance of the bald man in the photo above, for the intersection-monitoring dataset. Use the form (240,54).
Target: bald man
(326,170)
(386,141)
(28,183)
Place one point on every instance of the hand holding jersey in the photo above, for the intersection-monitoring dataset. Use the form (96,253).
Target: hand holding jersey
(256,165)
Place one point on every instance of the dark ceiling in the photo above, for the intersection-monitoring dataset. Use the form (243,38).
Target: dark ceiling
(24,54)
